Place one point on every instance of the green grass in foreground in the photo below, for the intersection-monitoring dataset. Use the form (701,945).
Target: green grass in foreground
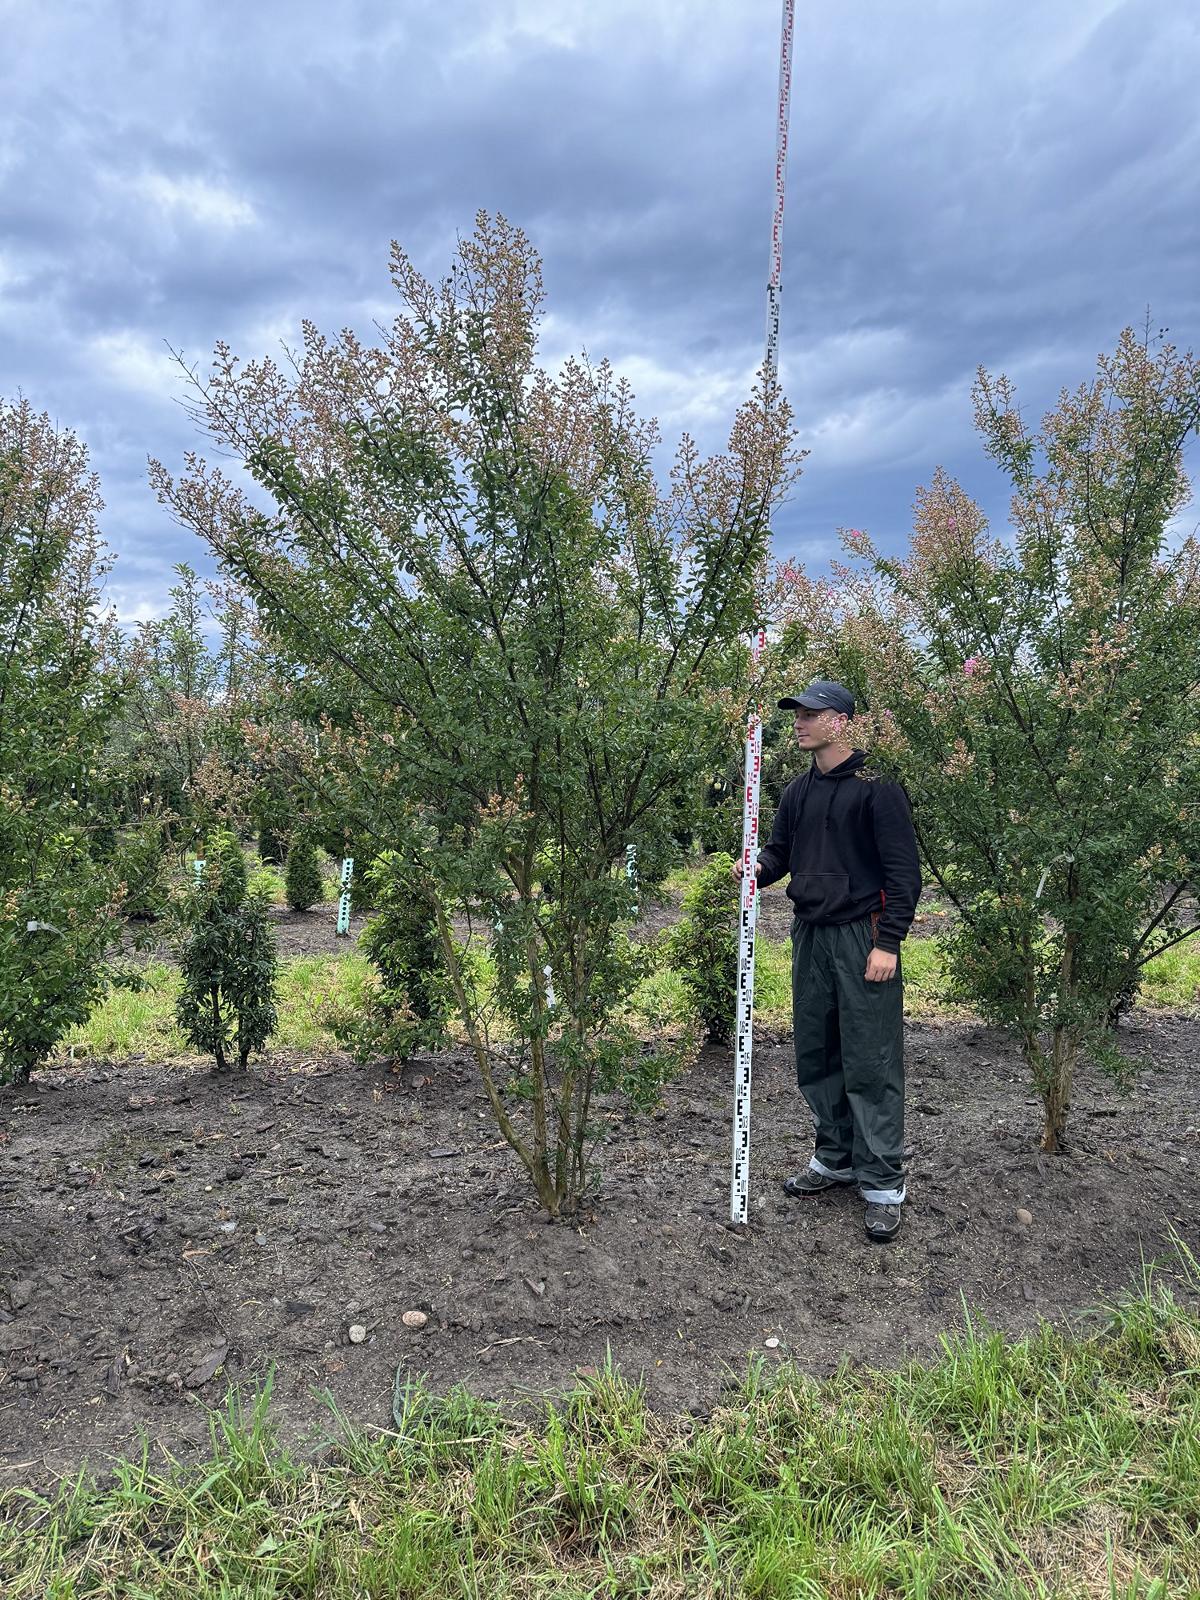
(1046,1466)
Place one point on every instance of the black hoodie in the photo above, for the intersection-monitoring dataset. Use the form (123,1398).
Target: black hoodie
(847,838)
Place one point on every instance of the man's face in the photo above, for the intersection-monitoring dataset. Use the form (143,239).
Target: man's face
(816,729)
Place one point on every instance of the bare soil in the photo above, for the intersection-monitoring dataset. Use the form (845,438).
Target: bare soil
(166,1231)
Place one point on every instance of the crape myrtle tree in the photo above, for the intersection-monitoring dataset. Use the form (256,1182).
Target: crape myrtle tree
(527,645)
(58,902)
(1039,695)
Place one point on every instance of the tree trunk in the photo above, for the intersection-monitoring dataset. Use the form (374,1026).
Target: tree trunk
(218,1047)
(1054,1123)
(538,1066)
(1055,1084)
(583,1087)
(1055,1078)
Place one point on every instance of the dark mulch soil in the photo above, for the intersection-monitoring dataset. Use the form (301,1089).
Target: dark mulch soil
(165,1231)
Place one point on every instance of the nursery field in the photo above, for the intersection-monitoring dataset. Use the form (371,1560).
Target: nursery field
(409,1301)
(169,1234)
(168,1231)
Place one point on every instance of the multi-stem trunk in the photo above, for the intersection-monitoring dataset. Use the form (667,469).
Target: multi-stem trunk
(1056,1066)
(538,1065)
(214,995)
(480,1050)
(584,1071)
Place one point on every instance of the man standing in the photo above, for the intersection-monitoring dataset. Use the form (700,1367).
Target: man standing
(846,836)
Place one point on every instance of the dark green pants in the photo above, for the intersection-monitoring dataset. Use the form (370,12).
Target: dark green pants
(849,1037)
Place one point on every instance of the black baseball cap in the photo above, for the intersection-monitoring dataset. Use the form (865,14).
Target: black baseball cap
(822,694)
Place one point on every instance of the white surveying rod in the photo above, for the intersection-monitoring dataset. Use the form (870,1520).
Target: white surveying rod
(743,1036)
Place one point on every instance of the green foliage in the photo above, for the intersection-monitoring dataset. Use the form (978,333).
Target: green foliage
(53,940)
(535,642)
(408,1006)
(140,861)
(362,893)
(303,886)
(272,848)
(274,818)
(225,868)
(59,897)
(719,825)
(226,1003)
(703,946)
(266,884)
(1037,696)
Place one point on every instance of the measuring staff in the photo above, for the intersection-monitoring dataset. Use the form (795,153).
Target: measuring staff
(846,837)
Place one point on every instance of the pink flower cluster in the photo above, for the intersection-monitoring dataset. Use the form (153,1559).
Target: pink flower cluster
(972,665)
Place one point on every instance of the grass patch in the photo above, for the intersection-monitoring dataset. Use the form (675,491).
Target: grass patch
(1172,980)
(924,971)
(131,1022)
(682,877)
(661,998)
(308,986)
(142,1022)
(1048,1466)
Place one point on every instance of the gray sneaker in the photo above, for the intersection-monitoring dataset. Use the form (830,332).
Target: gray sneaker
(881,1222)
(810,1182)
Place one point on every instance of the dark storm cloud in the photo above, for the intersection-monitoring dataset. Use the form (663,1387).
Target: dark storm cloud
(1005,182)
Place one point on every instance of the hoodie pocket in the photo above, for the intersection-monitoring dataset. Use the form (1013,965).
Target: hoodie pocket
(820,896)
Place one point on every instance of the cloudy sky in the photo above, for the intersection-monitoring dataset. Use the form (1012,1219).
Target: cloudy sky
(1005,182)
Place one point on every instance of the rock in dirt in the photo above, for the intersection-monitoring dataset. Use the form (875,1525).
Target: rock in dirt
(20,1294)
(114,1375)
(356,1333)
(414,1319)
(1025,1218)
(771,1344)
(206,1367)
(536,1286)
